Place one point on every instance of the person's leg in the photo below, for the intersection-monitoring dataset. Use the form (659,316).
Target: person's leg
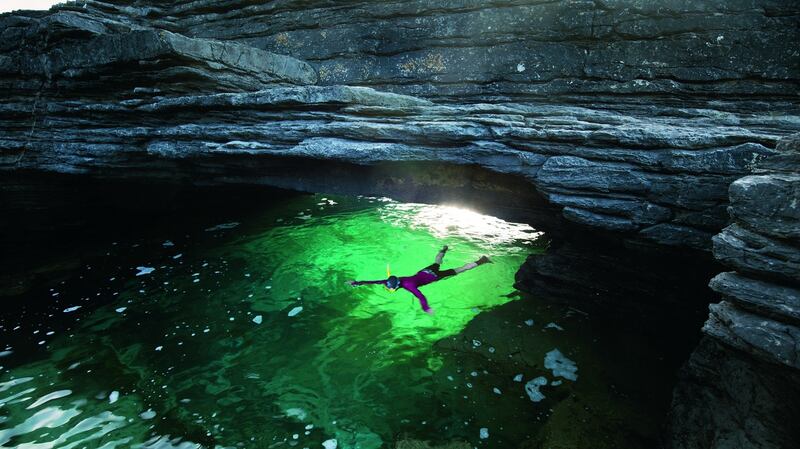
(466,267)
(440,256)
(472,265)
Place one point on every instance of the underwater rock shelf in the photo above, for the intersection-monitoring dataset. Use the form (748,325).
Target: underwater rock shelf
(660,126)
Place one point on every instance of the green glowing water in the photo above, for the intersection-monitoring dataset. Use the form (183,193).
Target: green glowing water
(243,332)
(248,335)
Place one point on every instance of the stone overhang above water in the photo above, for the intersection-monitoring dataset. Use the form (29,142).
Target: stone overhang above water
(80,55)
(665,183)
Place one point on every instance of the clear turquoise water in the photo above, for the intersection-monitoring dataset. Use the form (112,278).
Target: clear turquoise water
(211,347)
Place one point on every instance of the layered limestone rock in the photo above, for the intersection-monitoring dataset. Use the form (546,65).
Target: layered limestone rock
(78,55)
(510,48)
(96,88)
(664,182)
(761,311)
(756,328)
(630,118)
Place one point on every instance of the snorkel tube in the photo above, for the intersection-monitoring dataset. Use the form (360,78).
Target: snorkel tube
(392,282)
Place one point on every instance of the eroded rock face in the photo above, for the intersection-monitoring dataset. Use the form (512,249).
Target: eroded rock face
(153,87)
(485,48)
(631,118)
(756,328)
(620,189)
(726,399)
(79,55)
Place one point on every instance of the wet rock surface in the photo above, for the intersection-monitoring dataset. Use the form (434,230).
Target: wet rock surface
(745,376)
(508,47)
(208,89)
(727,399)
(643,125)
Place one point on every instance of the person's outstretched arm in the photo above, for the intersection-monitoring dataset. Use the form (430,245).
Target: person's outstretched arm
(354,283)
(422,300)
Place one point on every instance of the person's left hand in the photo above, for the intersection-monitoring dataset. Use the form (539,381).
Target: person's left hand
(351,283)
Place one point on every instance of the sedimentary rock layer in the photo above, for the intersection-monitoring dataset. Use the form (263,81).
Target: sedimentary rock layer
(756,328)
(80,55)
(511,47)
(663,179)
(763,246)
(102,86)
(727,399)
(630,117)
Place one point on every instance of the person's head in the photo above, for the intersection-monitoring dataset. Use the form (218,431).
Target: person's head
(392,283)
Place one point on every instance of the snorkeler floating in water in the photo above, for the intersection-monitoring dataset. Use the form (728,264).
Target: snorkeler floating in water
(425,276)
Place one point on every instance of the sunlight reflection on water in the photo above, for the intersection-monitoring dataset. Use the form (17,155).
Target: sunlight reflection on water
(249,335)
(453,221)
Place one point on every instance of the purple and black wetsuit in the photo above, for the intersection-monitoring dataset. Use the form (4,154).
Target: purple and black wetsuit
(425,276)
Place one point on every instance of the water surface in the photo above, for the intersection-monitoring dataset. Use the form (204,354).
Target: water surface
(245,334)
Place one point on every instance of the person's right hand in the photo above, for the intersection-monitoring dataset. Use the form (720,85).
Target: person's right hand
(352,283)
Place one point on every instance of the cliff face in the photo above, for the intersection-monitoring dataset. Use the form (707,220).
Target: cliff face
(746,370)
(512,47)
(96,87)
(626,118)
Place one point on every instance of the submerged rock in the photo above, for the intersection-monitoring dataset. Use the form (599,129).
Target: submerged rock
(417,444)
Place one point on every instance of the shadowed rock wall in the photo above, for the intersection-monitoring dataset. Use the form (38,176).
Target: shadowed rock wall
(630,118)
(745,376)
(516,47)
(100,86)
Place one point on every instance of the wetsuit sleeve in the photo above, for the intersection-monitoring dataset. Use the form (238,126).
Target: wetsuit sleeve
(370,282)
(422,300)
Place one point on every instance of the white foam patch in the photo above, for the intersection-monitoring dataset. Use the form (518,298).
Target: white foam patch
(71,309)
(144,270)
(121,309)
(330,444)
(532,388)
(258,319)
(167,244)
(112,398)
(560,365)
(295,311)
(554,326)
(223,226)
(484,433)
(148,414)
(518,378)
(529,322)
